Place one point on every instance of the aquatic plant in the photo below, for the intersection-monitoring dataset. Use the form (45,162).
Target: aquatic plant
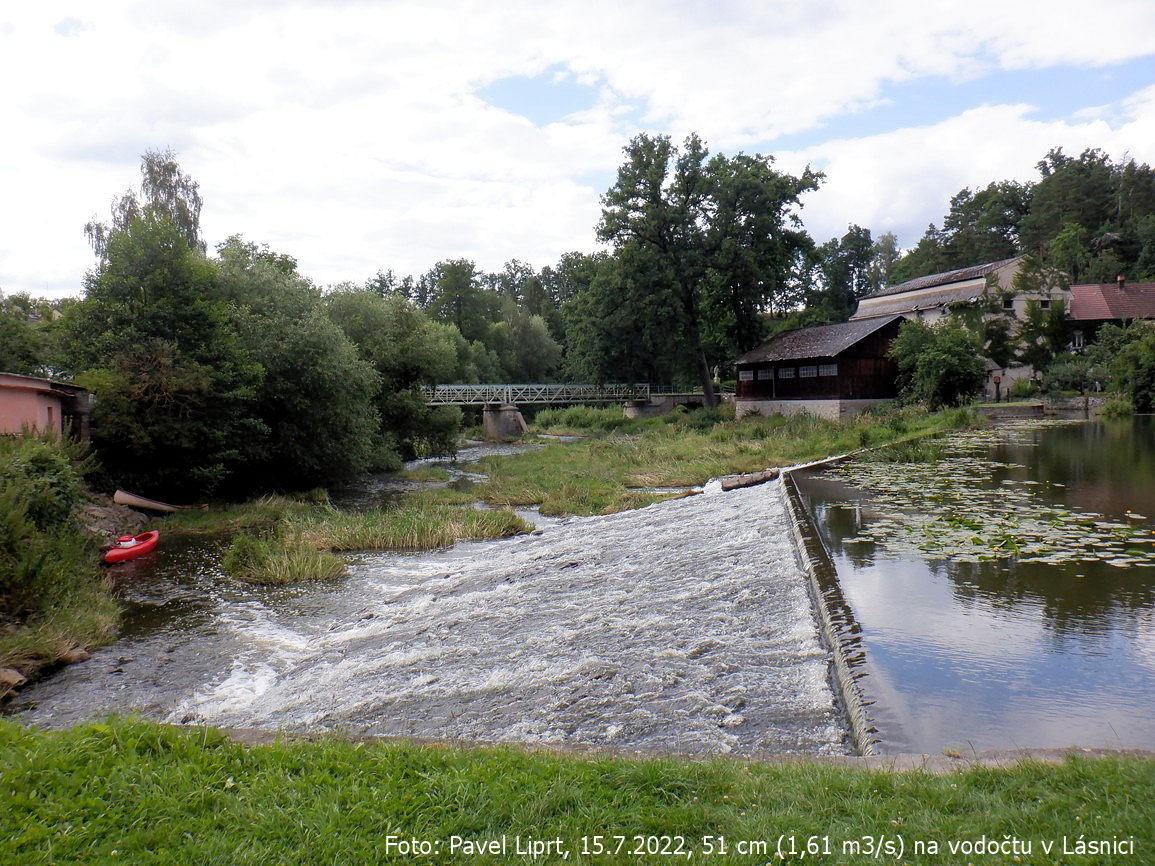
(948,499)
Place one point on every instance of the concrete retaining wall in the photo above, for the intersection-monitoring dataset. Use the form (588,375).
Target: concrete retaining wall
(835,619)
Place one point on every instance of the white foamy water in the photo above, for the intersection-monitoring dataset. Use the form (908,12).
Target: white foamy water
(684,626)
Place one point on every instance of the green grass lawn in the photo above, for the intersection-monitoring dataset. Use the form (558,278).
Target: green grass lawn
(130,792)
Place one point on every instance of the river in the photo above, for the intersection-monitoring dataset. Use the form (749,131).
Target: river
(1002,584)
(684,627)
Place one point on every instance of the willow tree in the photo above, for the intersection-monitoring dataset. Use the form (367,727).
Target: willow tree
(717,239)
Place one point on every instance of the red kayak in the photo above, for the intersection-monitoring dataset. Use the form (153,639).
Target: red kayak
(132,546)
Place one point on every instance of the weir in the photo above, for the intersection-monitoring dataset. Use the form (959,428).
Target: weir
(683,627)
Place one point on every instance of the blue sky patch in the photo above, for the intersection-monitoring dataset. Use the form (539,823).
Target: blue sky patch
(1057,93)
(544,99)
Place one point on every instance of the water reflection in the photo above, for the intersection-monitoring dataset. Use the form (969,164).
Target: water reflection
(1004,583)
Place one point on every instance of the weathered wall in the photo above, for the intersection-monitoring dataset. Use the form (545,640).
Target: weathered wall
(27,408)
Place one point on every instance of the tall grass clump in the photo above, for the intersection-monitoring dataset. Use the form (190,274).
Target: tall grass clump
(583,419)
(418,522)
(279,560)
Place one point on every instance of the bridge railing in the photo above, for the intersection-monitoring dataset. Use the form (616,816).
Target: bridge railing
(528,394)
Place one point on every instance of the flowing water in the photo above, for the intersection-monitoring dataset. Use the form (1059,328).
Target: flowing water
(685,626)
(1002,584)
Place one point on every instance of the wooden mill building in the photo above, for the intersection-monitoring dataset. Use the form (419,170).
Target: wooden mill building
(834,371)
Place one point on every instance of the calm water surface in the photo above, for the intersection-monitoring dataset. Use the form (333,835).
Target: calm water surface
(1003,584)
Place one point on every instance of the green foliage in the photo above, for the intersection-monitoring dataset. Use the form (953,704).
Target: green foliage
(1021,389)
(1134,367)
(407,349)
(1087,216)
(1127,355)
(314,409)
(166,194)
(22,340)
(43,554)
(702,246)
(1074,373)
(174,387)
(279,560)
(848,269)
(939,365)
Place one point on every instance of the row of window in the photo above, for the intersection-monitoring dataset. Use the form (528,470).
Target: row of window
(804,372)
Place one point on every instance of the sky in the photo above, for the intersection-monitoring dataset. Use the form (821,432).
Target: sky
(365,135)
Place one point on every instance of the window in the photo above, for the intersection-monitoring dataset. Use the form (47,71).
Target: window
(1077,340)
(807,372)
(763,375)
(1008,303)
(1045,303)
(827,369)
(785,372)
(745,375)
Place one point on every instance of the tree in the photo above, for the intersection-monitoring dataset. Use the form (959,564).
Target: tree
(22,343)
(845,274)
(884,256)
(315,409)
(1127,352)
(407,349)
(154,340)
(455,295)
(695,231)
(939,365)
(165,191)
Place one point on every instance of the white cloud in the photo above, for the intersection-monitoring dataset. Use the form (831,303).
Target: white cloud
(902,180)
(349,134)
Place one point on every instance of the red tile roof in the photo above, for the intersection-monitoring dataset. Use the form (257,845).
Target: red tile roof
(1098,302)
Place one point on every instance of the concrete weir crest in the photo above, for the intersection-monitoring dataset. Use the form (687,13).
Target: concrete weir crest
(835,618)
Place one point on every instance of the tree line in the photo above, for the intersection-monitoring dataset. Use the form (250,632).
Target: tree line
(232,372)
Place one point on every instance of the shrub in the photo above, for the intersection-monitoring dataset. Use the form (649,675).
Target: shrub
(939,365)
(1022,388)
(43,554)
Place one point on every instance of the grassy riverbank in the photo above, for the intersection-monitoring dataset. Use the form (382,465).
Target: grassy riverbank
(629,466)
(616,465)
(133,792)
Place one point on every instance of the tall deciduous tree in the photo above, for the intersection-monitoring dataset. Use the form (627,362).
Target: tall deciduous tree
(154,339)
(714,239)
(315,407)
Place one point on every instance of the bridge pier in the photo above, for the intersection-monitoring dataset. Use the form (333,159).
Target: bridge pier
(502,421)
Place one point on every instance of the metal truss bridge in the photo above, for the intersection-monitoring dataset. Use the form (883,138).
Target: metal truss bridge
(527,395)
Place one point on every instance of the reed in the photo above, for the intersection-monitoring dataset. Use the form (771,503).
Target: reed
(286,559)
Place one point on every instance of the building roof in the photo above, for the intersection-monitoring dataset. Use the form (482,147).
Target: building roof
(945,278)
(1103,301)
(20,382)
(820,341)
(881,305)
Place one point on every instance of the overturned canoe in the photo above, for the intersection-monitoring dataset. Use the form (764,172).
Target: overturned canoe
(123,497)
(132,546)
